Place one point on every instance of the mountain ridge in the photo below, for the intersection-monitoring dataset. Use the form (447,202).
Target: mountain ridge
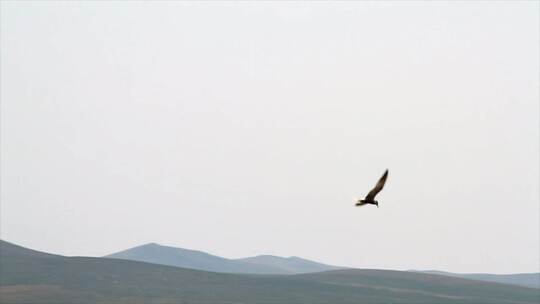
(200,260)
(30,277)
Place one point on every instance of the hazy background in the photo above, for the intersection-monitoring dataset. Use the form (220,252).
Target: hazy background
(247,128)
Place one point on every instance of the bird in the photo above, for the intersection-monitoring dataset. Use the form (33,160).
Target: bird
(370,198)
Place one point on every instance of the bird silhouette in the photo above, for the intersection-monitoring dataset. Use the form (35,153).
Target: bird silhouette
(370,198)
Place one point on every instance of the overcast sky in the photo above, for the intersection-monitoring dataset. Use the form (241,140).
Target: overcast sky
(242,129)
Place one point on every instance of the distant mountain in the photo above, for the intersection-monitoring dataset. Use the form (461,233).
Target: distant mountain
(519,279)
(288,265)
(31,277)
(179,257)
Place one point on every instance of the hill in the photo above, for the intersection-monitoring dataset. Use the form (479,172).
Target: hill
(519,279)
(290,265)
(193,259)
(28,276)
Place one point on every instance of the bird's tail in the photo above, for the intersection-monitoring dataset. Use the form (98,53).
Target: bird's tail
(359,202)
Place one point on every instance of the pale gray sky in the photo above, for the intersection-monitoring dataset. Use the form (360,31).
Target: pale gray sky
(247,128)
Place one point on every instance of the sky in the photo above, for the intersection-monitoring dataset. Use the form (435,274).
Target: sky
(242,128)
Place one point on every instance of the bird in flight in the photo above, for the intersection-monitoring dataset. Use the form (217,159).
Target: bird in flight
(370,198)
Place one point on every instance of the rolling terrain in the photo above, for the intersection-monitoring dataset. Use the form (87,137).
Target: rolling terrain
(28,276)
(519,279)
(193,259)
(268,264)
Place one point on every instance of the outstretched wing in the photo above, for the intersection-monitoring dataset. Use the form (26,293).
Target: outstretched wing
(380,184)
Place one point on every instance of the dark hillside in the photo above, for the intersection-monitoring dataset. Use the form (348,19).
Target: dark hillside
(31,277)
